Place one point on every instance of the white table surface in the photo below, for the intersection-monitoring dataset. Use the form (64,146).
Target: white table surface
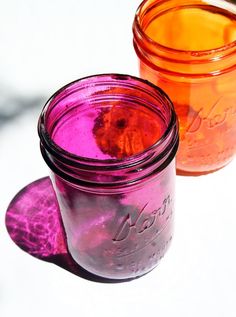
(45,44)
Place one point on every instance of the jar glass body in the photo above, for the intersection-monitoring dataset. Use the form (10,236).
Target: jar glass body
(117,212)
(118,235)
(198,76)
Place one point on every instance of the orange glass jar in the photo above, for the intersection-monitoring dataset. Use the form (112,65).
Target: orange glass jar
(188,48)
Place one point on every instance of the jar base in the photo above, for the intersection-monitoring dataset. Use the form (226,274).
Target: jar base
(106,280)
(180,172)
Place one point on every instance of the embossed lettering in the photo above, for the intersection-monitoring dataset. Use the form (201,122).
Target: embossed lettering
(126,225)
(212,119)
(141,223)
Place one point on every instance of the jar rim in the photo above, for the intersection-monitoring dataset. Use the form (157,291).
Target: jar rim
(137,28)
(59,152)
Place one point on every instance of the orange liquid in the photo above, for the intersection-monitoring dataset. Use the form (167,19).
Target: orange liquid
(205,105)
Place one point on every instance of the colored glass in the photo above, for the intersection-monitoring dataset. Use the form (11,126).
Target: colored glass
(110,141)
(188,48)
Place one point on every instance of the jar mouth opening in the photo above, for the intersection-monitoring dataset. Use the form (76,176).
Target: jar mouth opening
(138,30)
(61,153)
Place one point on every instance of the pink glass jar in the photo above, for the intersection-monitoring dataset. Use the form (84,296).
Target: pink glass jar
(110,142)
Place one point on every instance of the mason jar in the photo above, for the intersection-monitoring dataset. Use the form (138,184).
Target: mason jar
(110,141)
(188,48)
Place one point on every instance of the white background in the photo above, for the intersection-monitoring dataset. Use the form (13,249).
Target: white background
(43,45)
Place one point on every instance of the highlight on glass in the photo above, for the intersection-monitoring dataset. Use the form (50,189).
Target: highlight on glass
(188,48)
(110,141)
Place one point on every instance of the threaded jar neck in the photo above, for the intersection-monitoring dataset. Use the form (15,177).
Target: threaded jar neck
(108,131)
(178,37)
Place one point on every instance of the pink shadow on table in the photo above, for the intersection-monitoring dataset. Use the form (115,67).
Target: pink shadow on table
(34,223)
